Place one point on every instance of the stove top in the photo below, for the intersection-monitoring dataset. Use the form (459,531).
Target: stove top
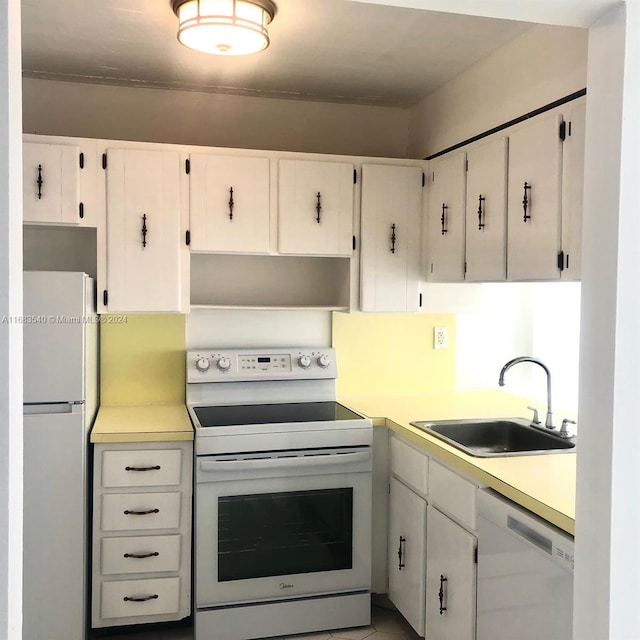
(265,414)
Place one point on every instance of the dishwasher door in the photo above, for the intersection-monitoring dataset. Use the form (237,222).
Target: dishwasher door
(525,574)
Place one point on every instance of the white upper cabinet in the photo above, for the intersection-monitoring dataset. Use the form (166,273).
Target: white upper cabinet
(229,203)
(144,239)
(486,226)
(51,183)
(315,208)
(572,187)
(446,219)
(390,238)
(534,202)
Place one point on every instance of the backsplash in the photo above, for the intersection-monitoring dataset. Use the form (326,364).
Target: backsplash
(142,359)
(393,353)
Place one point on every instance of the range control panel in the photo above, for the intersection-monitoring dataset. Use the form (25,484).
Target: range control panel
(239,365)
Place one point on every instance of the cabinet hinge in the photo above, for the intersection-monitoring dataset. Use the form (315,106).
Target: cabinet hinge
(187,237)
(81,210)
(561,261)
(187,166)
(423,179)
(563,130)
(355,176)
(354,242)
(105,298)
(475,555)
(81,160)
(420,301)
(104,160)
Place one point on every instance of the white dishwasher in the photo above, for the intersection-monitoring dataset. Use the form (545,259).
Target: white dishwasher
(525,574)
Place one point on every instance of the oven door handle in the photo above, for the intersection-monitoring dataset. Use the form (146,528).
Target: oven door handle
(322,460)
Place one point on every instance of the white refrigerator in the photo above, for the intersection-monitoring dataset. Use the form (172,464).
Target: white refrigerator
(60,405)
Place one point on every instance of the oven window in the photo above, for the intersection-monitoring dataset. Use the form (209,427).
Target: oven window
(275,534)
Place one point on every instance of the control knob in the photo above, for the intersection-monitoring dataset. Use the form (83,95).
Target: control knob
(224,363)
(304,362)
(203,364)
(323,361)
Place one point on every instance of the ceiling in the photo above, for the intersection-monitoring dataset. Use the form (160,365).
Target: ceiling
(325,50)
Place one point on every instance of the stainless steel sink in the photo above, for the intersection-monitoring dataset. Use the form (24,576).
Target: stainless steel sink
(498,437)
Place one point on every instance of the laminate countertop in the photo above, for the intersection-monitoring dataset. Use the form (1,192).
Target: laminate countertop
(544,484)
(142,423)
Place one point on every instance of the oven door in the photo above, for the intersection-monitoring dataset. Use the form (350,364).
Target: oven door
(282,525)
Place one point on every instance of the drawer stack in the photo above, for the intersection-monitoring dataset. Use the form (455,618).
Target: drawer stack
(141,565)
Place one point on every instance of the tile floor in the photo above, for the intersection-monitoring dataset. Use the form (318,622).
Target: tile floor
(386,624)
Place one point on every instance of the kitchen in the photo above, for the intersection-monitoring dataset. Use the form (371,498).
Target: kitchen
(493,370)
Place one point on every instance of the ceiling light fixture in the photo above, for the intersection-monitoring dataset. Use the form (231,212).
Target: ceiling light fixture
(224,27)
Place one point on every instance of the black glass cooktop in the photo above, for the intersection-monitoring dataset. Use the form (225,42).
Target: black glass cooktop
(223,416)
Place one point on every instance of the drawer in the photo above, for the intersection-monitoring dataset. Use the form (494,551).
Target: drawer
(140,511)
(142,468)
(133,598)
(410,465)
(140,554)
(452,494)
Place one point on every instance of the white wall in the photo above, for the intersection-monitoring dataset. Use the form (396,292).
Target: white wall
(542,65)
(10,330)
(209,119)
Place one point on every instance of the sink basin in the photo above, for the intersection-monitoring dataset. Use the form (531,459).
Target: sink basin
(497,437)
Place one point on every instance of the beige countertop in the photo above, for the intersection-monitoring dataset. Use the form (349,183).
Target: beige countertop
(544,484)
(142,423)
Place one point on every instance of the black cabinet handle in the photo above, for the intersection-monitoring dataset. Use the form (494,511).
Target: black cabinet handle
(481,213)
(525,202)
(142,556)
(318,207)
(154,468)
(442,595)
(394,237)
(144,230)
(443,218)
(231,203)
(128,512)
(39,182)
(401,553)
(140,598)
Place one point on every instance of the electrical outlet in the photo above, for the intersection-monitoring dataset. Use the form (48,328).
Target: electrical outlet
(440,338)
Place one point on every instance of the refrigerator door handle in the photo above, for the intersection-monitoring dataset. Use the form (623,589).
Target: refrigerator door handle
(36,409)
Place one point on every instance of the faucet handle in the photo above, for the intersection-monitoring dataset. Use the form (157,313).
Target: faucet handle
(535,421)
(564,431)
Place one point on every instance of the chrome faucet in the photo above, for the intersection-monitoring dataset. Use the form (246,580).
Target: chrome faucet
(548,423)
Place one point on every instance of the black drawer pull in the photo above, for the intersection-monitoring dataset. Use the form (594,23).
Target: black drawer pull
(154,468)
(127,512)
(141,556)
(141,598)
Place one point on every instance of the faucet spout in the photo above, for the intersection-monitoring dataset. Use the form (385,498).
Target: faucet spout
(549,419)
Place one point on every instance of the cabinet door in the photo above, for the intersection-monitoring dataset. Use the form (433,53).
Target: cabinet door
(486,212)
(315,208)
(446,218)
(407,542)
(143,231)
(390,238)
(533,219)
(51,183)
(229,204)
(451,579)
(572,187)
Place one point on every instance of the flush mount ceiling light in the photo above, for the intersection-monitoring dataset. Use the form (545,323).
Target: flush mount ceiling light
(224,27)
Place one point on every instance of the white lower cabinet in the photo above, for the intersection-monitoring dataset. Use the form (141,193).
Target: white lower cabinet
(432,553)
(451,579)
(141,565)
(407,549)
